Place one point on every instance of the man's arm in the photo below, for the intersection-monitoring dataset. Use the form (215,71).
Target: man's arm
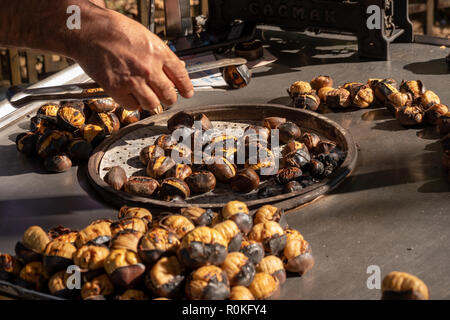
(100,3)
(132,64)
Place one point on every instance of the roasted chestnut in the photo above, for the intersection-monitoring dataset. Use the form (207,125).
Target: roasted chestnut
(321,81)
(311,141)
(362,95)
(270,213)
(223,169)
(307,101)
(236,76)
(292,186)
(409,116)
(180,119)
(403,286)
(285,175)
(166,278)
(57,285)
(141,186)
(116,177)
(414,87)
(297,158)
(180,153)
(108,121)
(133,294)
(253,250)
(174,189)
(271,235)
(201,181)
(102,104)
(93,134)
(158,167)
(26,143)
(63,234)
(126,239)
(79,150)
(428,99)
(39,124)
(273,122)
(204,121)
(49,110)
(433,113)
(9,267)
(239,213)
(33,244)
(231,233)
(292,146)
(239,269)
(203,246)
(289,131)
(135,224)
(297,256)
(208,283)
(97,289)
(58,255)
(200,216)
(315,168)
(299,88)
(241,293)
(157,243)
(135,212)
(51,143)
(149,153)
(33,276)
(165,141)
(444,124)
(322,93)
(293,234)
(338,98)
(126,116)
(90,259)
(124,268)
(245,181)
(383,89)
(95,233)
(70,117)
(256,134)
(273,266)
(264,286)
(178,224)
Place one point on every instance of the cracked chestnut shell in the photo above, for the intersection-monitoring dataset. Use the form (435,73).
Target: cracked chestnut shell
(428,99)
(91,257)
(102,104)
(273,266)
(95,233)
(202,246)
(49,110)
(166,278)
(58,256)
(362,95)
(292,186)
(79,150)
(158,167)
(116,177)
(39,124)
(204,121)
(9,267)
(433,113)
(264,286)
(297,256)
(245,181)
(289,131)
(126,239)
(409,116)
(135,212)
(201,181)
(200,216)
(236,76)
(107,120)
(285,175)
(51,143)
(141,186)
(33,244)
(293,234)
(180,153)
(321,81)
(298,88)
(165,141)
(93,134)
(297,158)
(223,169)
(127,117)
(180,119)
(58,163)
(33,276)
(338,98)
(256,134)
(70,117)
(149,153)
(231,233)
(239,213)
(208,283)
(135,224)
(273,122)
(307,101)
(271,235)
(293,146)
(254,250)
(97,289)
(124,268)
(157,243)
(383,89)
(414,87)
(57,285)
(270,213)
(26,143)
(322,93)
(178,224)
(239,269)
(403,286)
(133,294)
(174,189)
(241,293)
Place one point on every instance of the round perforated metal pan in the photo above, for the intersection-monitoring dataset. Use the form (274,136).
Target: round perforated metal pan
(123,150)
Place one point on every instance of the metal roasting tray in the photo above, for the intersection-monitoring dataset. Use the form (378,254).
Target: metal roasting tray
(123,149)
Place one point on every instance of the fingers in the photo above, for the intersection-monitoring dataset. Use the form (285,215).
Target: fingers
(145,96)
(177,73)
(163,88)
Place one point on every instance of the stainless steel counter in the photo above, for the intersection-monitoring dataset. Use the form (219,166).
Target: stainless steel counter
(393,211)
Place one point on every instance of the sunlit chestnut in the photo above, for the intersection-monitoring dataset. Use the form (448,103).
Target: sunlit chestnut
(166,278)
(241,293)
(180,119)
(126,239)
(292,234)
(58,256)
(322,93)
(49,110)
(165,141)
(200,216)
(270,213)
(94,134)
(203,246)
(135,212)
(70,117)
(271,235)
(108,121)
(178,224)
(273,266)
(297,256)
(239,269)
(102,104)
(116,177)
(207,283)
(180,171)
(307,101)
(174,189)
(292,146)
(403,286)
(231,233)
(95,233)
(51,143)
(414,87)
(26,143)
(124,267)
(362,96)
(33,244)
(98,288)
(33,276)
(428,99)
(245,181)
(141,186)
(298,88)
(273,122)
(157,243)
(134,224)
(149,153)
(57,285)
(433,113)
(236,76)
(265,286)
(126,116)
(90,259)
(288,131)
(239,213)
(409,116)
(179,152)
(383,89)
(39,124)
(321,81)
(158,167)
(338,98)
(254,250)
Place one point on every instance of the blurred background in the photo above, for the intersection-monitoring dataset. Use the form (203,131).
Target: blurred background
(430,17)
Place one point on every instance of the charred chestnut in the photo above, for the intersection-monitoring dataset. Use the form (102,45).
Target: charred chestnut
(273,122)
(157,243)
(315,168)
(58,255)
(409,116)
(414,87)
(33,244)
(428,99)
(204,121)
(271,235)
(289,131)
(49,110)
(166,278)
(433,113)
(239,269)
(383,90)
(9,267)
(149,153)
(26,143)
(321,81)
(203,246)
(254,250)
(97,289)
(208,283)
(338,98)
(297,256)
(79,150)
(95,233)
(51,143)
(270,213)
(70,117)
(39,124)
(231,233)
(165,141)
(200,216)
(174,189)
(133,294)
(285,175)
(297,158)
(33,276)
(265,286)
(239,213)
(94,134)
(299,88)
(57,285)
(403,286)
(158,167)
(201,181)
(236,76)
(444,124)
(273,266)
(108,121)
(178,224)
(245,181)
(292,186)
(241,293)
(307,101)
(58,163)
(180,119)
(124,267)
(141,186)
(127,117)
(223,169)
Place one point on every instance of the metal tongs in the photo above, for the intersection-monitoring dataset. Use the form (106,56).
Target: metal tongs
(19,96)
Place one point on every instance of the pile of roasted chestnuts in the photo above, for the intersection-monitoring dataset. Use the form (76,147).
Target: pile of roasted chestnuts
(195,254)
(65,133)
(403,286)
(247,162)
